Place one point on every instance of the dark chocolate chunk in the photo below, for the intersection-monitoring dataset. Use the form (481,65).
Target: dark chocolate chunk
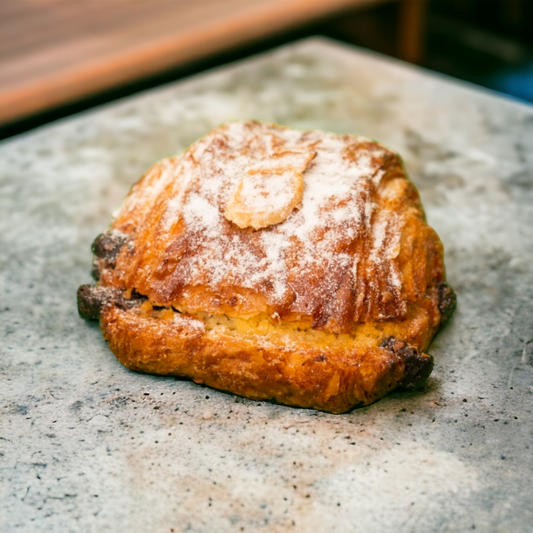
(92,299)
(418,365)
(447,303)
(107,246)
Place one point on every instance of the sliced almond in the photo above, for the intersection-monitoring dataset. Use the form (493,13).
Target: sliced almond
(269,191)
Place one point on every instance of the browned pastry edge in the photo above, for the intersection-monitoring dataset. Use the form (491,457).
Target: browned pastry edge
(334,379)
(418,366)
(447,303)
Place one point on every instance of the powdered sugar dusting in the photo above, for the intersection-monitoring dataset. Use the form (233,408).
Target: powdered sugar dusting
(182,176)
(153,184)
(267,193)
(386,246)
(319,245)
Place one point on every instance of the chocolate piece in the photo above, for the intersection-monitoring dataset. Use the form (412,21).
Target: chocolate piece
(107,246)
(92,299)
(418,365)
(447,303)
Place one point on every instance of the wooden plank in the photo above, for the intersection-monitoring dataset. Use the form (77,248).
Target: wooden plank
(412,25)
(56,51)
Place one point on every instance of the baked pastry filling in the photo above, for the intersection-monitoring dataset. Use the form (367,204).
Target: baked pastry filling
(278,264)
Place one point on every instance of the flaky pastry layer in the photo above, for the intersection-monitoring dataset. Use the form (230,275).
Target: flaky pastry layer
(263,361)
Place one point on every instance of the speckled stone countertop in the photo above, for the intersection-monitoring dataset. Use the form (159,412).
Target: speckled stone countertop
(89,446)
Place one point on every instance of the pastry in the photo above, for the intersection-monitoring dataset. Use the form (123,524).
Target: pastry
(277,264)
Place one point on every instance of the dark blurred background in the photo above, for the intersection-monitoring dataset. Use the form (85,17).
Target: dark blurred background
(59,57)
(487,42)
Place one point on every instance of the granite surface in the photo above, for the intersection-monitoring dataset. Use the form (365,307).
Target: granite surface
(87,445)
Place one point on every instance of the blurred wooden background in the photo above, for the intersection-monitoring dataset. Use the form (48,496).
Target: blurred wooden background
(54,52)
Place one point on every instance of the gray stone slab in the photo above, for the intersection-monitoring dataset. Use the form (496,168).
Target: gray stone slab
(90,446)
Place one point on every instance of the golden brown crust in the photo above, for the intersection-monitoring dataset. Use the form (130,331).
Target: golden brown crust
(252,360)
(328,305)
